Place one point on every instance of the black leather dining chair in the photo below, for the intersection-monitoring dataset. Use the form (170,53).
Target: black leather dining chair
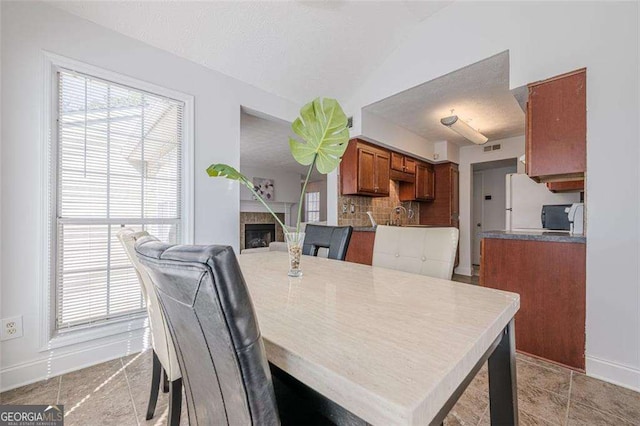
(334,238)
(227,379)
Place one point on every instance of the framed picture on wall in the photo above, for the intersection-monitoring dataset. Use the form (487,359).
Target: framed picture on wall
(265,188)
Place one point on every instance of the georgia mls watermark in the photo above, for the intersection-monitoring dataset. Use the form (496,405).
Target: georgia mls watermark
(31,415)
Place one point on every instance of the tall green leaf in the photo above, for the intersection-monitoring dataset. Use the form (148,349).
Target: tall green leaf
(323,127)
(223,170)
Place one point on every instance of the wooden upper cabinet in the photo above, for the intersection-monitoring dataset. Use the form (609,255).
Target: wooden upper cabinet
(397,162)
(366,166)
(381,173)
(364,170)
(402,163)
(410,165)
(423,188)
(556,128)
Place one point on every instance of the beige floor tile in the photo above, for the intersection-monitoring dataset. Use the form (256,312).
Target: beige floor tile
(580,415)
(542,404)
(606,397)
(550,379)
(43,392)
(138,369)
(97,395)
(524,419)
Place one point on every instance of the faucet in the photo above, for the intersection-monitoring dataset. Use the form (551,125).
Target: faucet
(398,211)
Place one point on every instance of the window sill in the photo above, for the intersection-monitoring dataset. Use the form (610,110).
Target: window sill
(62,339)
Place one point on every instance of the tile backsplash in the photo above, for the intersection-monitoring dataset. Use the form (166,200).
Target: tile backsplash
(383,209)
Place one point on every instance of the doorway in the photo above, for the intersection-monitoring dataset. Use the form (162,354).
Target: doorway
(489,200)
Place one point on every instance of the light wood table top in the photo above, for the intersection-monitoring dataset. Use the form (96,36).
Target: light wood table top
(389,346)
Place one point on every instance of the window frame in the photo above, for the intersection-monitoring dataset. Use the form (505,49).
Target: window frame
(50,337)
(306,205)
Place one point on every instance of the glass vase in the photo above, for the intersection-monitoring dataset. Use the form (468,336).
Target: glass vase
(294,247)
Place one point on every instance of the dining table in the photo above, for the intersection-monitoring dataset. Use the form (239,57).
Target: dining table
(385,346)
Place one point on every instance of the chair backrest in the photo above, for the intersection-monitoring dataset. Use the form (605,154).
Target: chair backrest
(211,318)
(160,335)
(334,238)
(425,251)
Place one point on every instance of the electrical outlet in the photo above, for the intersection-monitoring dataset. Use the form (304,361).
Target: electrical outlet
(11,328)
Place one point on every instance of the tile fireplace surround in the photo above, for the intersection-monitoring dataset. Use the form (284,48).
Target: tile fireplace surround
(252,218)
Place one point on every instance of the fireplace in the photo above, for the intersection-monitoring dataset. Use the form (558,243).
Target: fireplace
(259,234)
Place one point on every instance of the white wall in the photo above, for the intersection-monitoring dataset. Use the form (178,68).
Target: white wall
(286,184)
(29,28)
(494,183)
(546,39)
(385,132)
(511,148)
(446,151)
(287,193)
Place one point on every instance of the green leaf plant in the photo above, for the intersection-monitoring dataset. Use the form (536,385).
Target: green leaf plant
(322,126)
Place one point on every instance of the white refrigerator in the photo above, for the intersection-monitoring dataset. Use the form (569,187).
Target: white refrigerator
(525,199)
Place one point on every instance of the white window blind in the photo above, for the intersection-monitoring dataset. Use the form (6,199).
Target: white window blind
(312,206)
(118,164)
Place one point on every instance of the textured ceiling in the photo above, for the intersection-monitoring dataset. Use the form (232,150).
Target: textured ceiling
(295,49)
(265,144)
(479,94)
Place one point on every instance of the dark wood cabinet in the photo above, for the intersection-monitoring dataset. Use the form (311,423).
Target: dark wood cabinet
(556,128)
(402,163)
(423,187)
(364,170)
(361,247)
(551,280)
(444,209)
(566,186)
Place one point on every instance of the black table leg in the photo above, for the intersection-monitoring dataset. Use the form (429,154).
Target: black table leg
(503,391)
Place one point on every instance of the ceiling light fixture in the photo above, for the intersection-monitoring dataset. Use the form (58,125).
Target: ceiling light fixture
(464,130)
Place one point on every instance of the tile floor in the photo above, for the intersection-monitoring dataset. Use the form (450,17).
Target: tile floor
(116,392)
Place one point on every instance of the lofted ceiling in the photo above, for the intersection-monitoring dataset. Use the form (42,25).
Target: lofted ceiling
(479,94)
(295,49)
(264,143)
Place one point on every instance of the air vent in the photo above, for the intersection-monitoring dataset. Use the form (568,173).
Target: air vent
(489,148)
(349,122)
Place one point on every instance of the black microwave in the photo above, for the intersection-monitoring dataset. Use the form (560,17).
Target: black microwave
(555,217)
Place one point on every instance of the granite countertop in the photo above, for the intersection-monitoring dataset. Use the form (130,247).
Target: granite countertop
(364,228)
(533,235)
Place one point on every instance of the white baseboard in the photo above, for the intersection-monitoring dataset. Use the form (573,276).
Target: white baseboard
(608,371)
(460,270)
(57,363)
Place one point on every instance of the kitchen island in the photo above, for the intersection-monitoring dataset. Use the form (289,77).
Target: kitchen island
(548,270)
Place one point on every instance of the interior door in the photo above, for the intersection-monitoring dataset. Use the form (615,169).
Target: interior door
(477,216)
(366,165)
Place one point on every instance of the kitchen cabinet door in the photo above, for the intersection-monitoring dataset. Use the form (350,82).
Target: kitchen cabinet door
(556,128)
(410,165)
(444,209)
(425,189)
(397,162)
(364,170)
(381,173)
(455,197)
(366,176)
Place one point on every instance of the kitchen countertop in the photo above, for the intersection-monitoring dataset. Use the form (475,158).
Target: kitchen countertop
(533,235)
(364,228)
